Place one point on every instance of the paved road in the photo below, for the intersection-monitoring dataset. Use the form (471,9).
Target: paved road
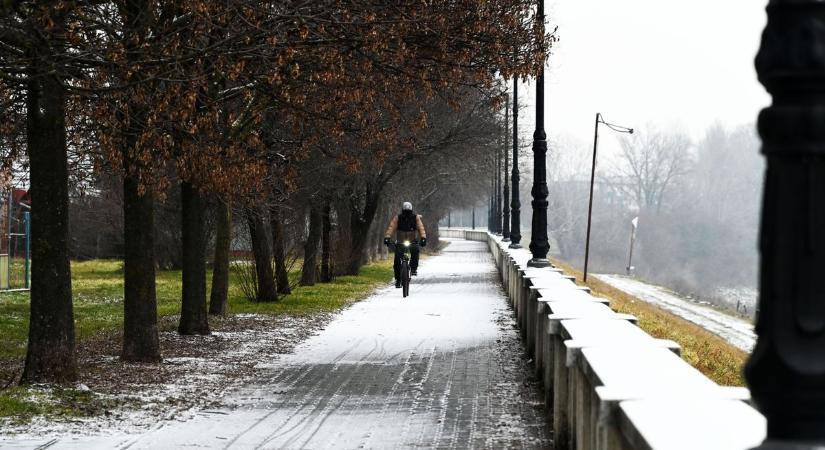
(441,369)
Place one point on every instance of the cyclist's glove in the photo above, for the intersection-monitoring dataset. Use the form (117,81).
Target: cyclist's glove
(387,241)
(423,242)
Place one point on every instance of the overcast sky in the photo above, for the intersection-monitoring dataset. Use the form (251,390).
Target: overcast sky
(682,64)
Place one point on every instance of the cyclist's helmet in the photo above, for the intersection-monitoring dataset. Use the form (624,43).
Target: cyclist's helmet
(407,206)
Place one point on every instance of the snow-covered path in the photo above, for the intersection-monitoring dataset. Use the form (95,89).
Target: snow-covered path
(443,368)
(738,332)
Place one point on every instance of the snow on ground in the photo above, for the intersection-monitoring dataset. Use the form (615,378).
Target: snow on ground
(743,300)
(194,376)
(443,368)
(736,331)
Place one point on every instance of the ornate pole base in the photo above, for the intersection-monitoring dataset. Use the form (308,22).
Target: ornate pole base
(515,245)
(539,263)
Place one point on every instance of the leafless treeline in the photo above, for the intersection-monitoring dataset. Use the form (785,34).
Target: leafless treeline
(301,121)
(697,204)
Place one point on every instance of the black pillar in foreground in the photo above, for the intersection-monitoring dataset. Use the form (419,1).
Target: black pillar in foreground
(786,372)
(515,231)
(539,245)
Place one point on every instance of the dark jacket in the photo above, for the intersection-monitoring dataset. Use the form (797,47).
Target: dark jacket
(407,233)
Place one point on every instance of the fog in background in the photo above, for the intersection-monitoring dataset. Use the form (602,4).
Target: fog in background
(697,200)
(682,75)
(698,206)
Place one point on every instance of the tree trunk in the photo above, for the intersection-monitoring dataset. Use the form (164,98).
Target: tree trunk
(279,250)
(50,356)
(219,299)
(193,315)
(310,268)
(266,291)
(140,319)
(326,241)
(359,231)
(140,315)
(360,223)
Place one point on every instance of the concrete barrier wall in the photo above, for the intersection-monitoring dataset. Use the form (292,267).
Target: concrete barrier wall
(608,383)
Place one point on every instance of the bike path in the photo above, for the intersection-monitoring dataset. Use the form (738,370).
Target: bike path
(443,368)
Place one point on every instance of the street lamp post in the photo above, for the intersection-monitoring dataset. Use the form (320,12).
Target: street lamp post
(498,192)
(496,195)
(492,203)
(515,231)
(489,216)
(505,223)
(539,244)
(633,225)
(786,371)
(599,120)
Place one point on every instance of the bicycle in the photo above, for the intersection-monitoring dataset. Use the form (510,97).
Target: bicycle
(406,271)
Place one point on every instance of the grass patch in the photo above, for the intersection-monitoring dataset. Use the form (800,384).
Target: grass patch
(21,404)
(707,352)
(97,289)
(323,297)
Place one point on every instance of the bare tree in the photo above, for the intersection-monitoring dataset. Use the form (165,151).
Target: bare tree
(651,161)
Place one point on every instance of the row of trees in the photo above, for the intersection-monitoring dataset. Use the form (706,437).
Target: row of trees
(697,204)
(280,110)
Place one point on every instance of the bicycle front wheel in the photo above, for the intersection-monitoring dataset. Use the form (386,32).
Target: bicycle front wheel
(405,277)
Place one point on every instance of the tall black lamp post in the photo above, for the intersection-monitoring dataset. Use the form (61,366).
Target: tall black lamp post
(539,245)
(786,371)
(599,120)
(505,222)
(492,204)
(515,230)
(497,212)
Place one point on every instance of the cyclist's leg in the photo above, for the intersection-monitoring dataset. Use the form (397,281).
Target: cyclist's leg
(414,253)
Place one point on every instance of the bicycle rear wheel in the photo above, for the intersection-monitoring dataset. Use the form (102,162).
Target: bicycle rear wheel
(405,277)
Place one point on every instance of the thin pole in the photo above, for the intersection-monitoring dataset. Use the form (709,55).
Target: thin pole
(630,257)
(8,236)
(590,204)
(515,230)
(27,223)
(474,217)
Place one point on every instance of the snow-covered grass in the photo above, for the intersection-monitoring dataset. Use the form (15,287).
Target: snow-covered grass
(98,307)
(19,404)
(710,354)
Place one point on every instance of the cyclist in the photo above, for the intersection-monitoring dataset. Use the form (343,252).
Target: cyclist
(407,226)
